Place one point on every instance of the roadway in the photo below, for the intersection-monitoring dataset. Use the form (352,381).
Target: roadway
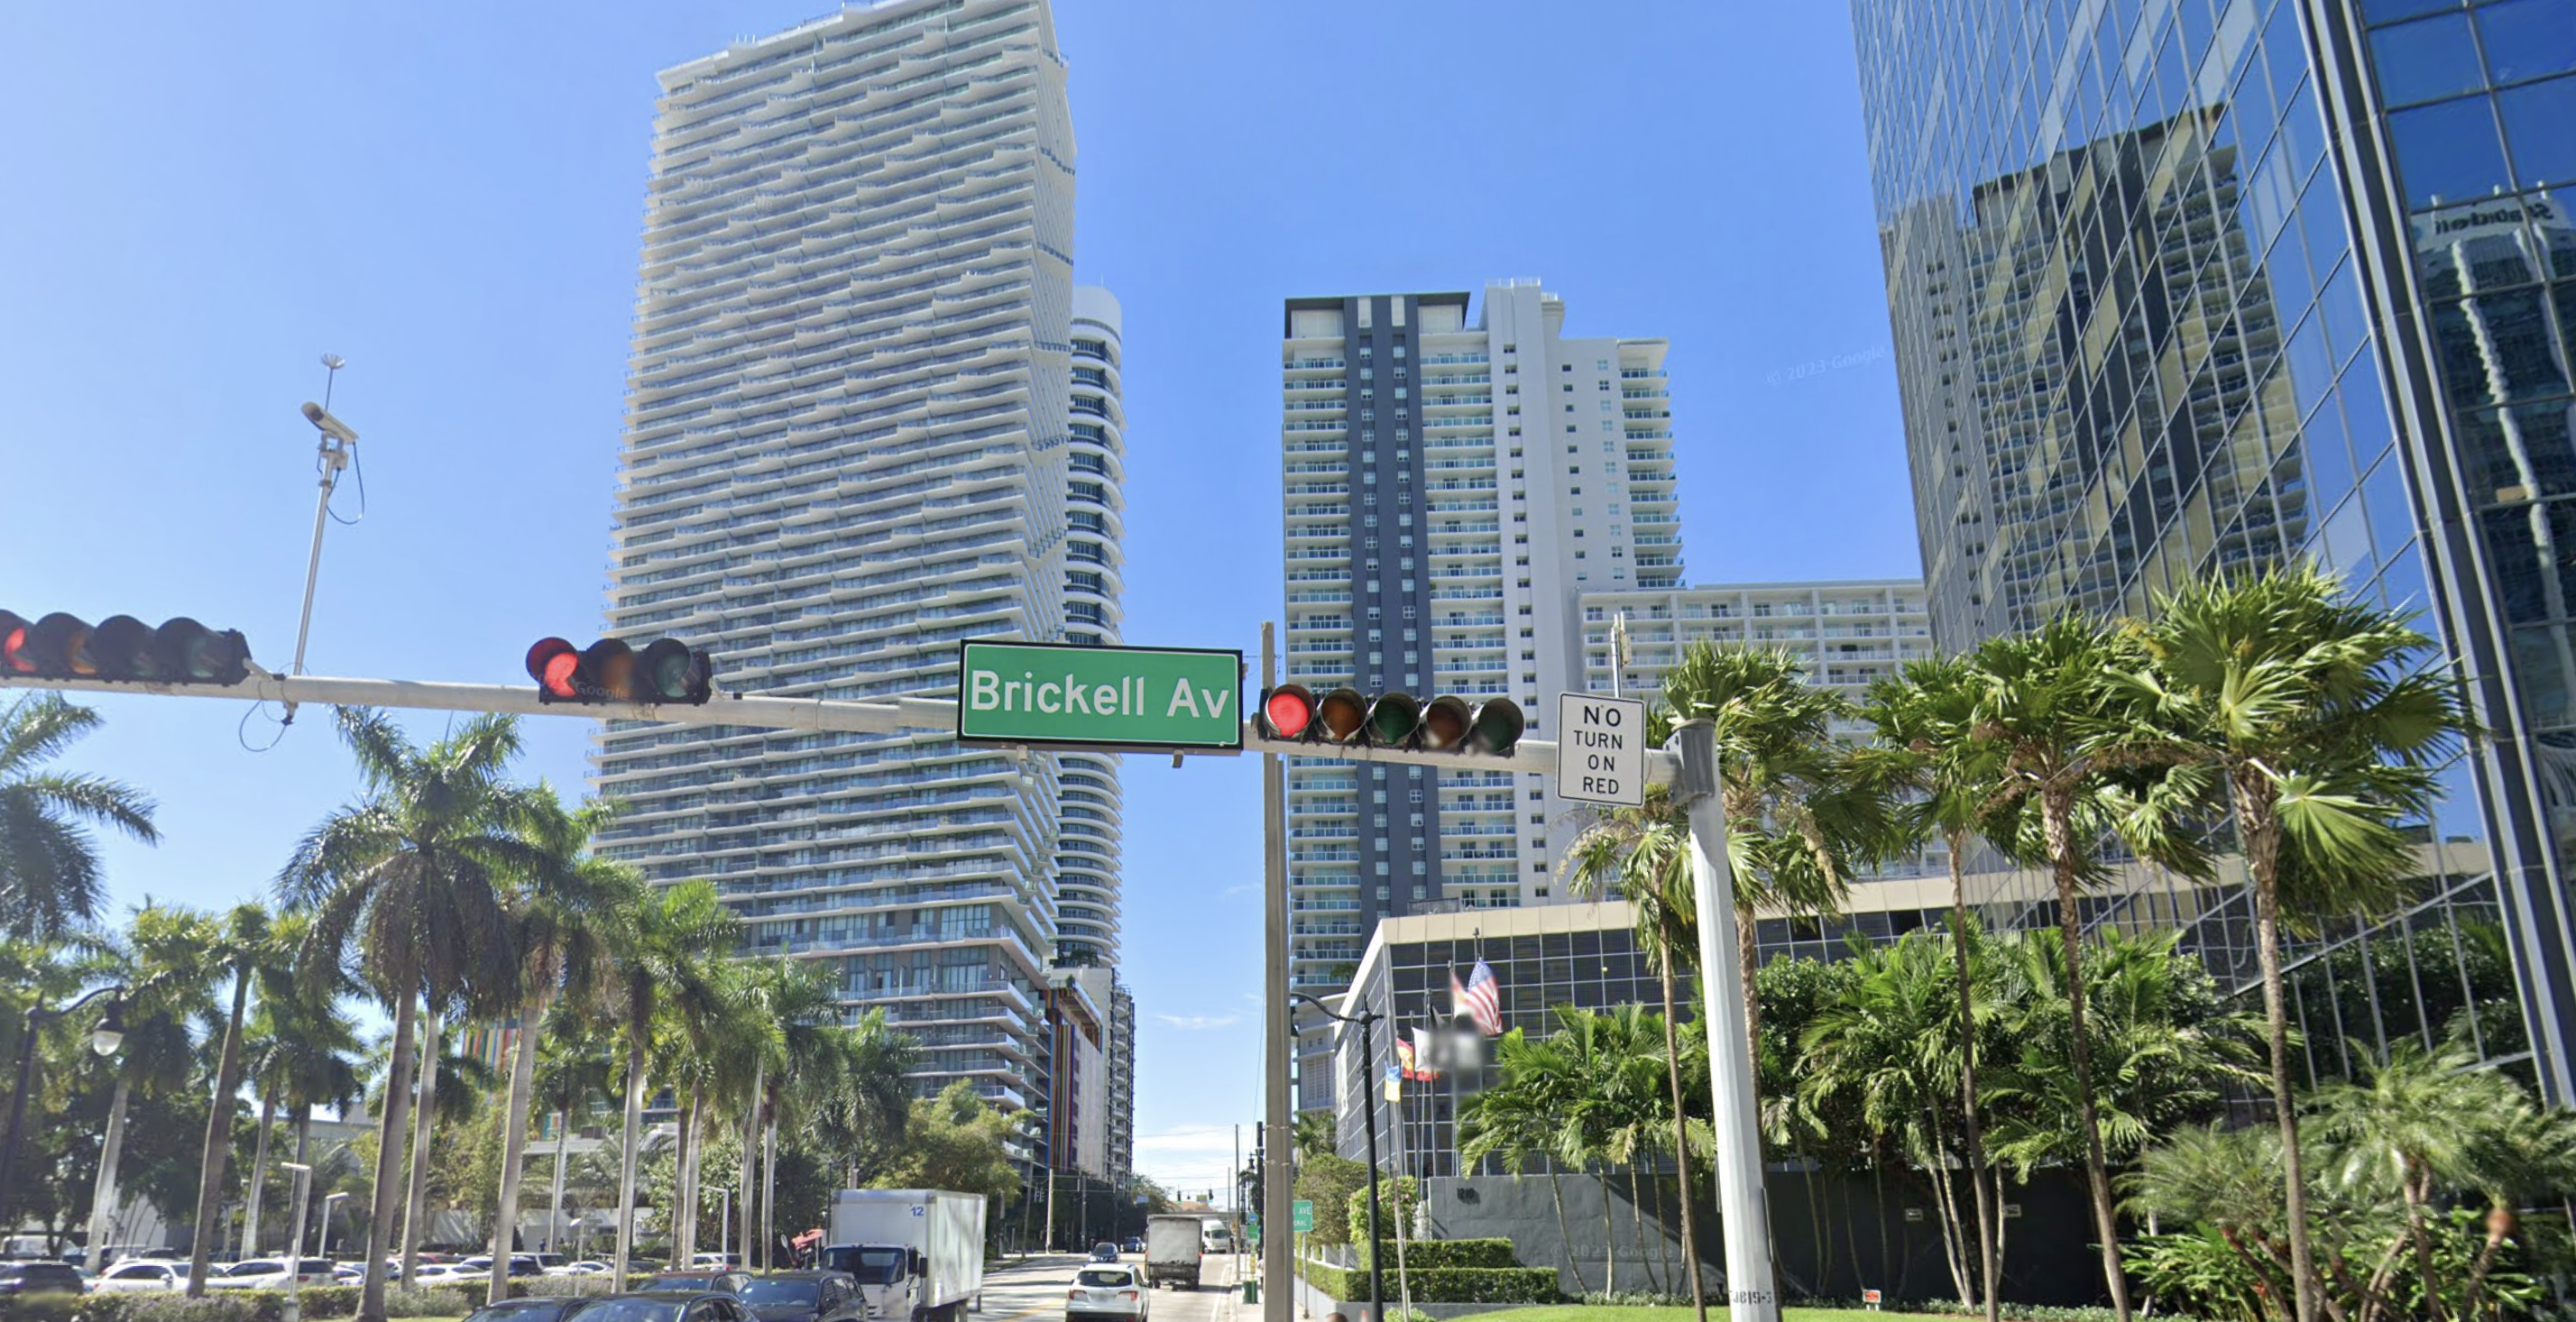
(1034,1291)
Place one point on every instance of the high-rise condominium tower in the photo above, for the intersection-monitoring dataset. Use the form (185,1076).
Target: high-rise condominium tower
(2202,285)
(851,441)
(1454,481)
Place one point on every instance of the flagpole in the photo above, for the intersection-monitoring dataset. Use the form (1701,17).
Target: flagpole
(1403,1210)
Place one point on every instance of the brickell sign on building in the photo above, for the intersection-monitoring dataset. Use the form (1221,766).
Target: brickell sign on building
(1099,697)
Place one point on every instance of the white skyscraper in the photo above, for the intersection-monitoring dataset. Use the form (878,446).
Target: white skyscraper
(849,434)
(1453,486)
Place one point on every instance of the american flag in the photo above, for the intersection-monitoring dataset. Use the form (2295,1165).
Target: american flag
(1481,999)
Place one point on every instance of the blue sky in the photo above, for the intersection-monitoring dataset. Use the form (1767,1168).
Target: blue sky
(202,199)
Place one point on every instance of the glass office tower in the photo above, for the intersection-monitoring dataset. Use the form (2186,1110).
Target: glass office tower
(2183,285)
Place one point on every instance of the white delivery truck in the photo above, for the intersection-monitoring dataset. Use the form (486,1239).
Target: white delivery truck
(1172,1251)
(918,1254)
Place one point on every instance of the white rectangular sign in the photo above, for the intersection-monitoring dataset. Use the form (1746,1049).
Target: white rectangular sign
(1600,749)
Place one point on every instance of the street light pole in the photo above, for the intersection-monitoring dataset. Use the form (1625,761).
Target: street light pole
(328,1199)
(294,1310)
(109,1035)
(1366,1018)
(1751,1295)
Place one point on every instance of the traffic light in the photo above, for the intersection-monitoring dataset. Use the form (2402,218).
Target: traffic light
(1292,713)
(667,670)
(121,649)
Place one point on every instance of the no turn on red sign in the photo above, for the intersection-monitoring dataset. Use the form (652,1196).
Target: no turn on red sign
(1600,749)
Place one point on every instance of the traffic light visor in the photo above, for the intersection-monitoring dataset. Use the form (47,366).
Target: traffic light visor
(1497,728)
(1287,710)
(60,644)
(673,673)
(551,663)
(1341,714)
(1445,722)
(121,648)
(189,652)
(1391,719)
(609,666)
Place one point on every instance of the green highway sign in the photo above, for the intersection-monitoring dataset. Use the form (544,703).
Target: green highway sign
(1305,1219)
(1099,697)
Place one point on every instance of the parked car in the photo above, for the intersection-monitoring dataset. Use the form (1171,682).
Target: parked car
(521,1264)
(811,1296)
(585,1267)
(696,1282)
(552,1264)
(1104,1251)
(1107,1291)
(271,1274)
(440,1273)
(528,1310)
(40,1278)
(1134,1244)
(715,1260)
(666,1306)
(142,1277)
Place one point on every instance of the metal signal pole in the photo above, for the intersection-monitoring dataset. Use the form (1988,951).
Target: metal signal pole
(1279,1176)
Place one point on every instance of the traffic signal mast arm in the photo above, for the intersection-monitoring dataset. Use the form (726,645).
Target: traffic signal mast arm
(878,716)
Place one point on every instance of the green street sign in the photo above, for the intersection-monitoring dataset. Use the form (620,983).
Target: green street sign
(1305,1216)
(1099,697)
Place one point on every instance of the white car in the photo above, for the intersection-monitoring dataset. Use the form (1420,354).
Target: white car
(585,1267)
(1103,1290)
(441,1273)
(271,1274)
(142,1277)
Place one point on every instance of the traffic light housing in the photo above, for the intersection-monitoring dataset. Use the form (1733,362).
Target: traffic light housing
(121,649)
(1292,713)
(611,670)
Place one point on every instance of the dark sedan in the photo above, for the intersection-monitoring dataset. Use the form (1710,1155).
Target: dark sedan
(40,1278)
(666,1306)
(697,1282)
(816,1296)
(550,1309)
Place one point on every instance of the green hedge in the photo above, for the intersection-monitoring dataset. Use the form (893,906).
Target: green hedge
(1444,1285)
(320,1302)
(40,1307)
(1433,1254)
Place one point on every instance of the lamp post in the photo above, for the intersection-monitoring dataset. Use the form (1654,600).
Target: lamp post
(105,1039)
(1368,1108)
(328,1199)
(294,1310)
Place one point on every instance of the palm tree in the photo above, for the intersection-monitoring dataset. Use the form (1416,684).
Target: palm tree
(2523,1153)
(1645,853)
(1521,1118)
(2037,729)
(164,961)
(705,1049)
(564,912)
(2302,716)
(671,943)
(2417,1122)
(797,1007)
(861,1105)
(245,947)
(576,1073)
(1922,717)
(309,1054)
(409,879)
(1793,821)
(49,863)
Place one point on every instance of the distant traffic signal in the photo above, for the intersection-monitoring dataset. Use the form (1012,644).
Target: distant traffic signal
(121,649)
(667,670)
(1292,713)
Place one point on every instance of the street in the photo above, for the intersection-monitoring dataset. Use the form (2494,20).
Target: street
(1035,1291)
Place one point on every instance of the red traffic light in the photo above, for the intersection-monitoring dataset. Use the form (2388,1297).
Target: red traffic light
(121,649)
(1286,711)
(610,670)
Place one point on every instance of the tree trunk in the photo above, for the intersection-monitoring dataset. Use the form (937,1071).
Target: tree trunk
(514,1146)
(634,1133)
(1748,961)
(2500,1227)
(219,1140)
(554,1198)
(2419,1194)
(390,1129)
(1989,1254)
(1573,1263)
(769,1191)
(296,1215)
(424,1119)
(745,1186)
(1681,1143)
(684,1165)
(2263,851)
(1609,1238)
(2056,820)
(258,1173)
(1637,1218)
(102,1198)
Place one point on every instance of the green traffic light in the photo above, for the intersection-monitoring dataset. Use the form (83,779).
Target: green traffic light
(1498,727)
(1392,718)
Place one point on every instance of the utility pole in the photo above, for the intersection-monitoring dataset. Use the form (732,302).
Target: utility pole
(1279,1176)
(1751,1295)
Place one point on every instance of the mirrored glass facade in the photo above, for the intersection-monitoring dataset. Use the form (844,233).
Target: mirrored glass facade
(2182,285)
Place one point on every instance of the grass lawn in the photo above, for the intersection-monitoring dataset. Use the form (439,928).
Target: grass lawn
(1676,1313)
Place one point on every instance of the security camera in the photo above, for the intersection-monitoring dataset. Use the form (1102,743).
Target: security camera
(331,426)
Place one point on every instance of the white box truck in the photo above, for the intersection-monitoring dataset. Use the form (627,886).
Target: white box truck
(918,1254)
(1172,1251)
